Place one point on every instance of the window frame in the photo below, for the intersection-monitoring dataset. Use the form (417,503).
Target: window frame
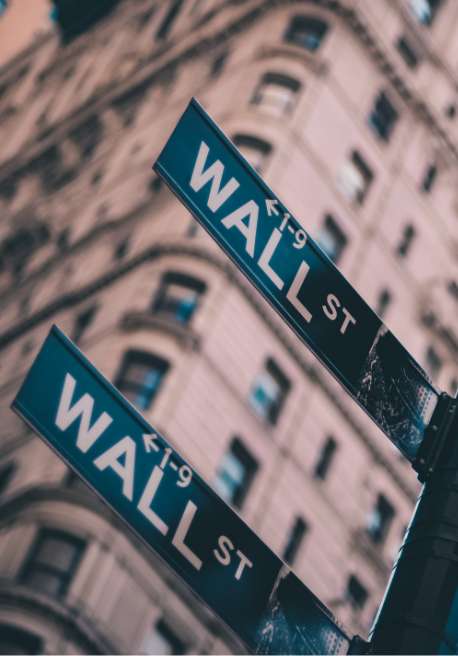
(313,27)
(163,303)
(250,465)
(124,384)
(296,535)
(280,81)
(383,108)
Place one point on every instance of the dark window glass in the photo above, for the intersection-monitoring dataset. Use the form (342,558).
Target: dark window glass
(295,538)
(357,594)
(356,178)
(6,475)
(380,519)
(429,178)
(406,242)
(306,31)
(255,150)
(121,249)
(332,239)
(433,362)
(140,377)
(383,117)
(163,640)
(52,562)
(269,391)
(425,10)
(178,296)
(83,321)
(167,23)
(450,111)
(236,473)
(407,52)
(219,63)
(3,7)
(14,640)
(383,302)
(276,93)
(325,458)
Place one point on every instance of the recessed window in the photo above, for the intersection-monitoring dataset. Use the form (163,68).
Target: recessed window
(380,519)
(140,377)
(218,63)
(83,321)
(168,20)
(3,8)
(450,111)
(424,10)
(383,117)
(429,178)
(121,250)
(406,51)
(6,474)
(332,239)
(383,302)
(255,150)
(325,458)
(306,31)
(15,640)
(178,296)
(357,594)
(276,93)
(52,563)
(236,473)
(162,640)
(433,362)
(294,541)
(407,239)
(355,178)
(269,392)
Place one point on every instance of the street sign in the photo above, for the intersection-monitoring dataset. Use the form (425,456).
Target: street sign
(136,472)
(226,195)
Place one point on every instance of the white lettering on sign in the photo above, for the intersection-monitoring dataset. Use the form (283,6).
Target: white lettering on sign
(266,255)
(110,458)
(236,218)
(214,175)
(144,505)
(223,556)
(82,409)
(294,290)
(181,532)
(331,311)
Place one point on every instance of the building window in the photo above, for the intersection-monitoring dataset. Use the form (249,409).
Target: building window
(424,10)
(380,519)
(236,473)
(169,19)
(433,362)
(406,242)
(178,296)
(255,150)
(218,63)
(332,239)
(406,51)
(429,178)
(357,594)
(295,538)
(355,178)
(269,392)
(140,377)
(383,117)
(3,8)
(52,563)
(83,321)
(162,640)
(306,31)
(276,93)
(121,249)
(450,111)
(383,302)
(15,640)
(6,475)
(325,458)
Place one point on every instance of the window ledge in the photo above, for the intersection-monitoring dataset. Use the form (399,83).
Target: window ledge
(310,60)
(184,335)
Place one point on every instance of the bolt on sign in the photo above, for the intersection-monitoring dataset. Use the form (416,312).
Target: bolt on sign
(232,202)
(97,432)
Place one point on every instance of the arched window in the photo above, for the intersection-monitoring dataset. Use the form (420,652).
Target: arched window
(140,377)
(276,93)
(178,296)
(15,640)
(52,562)
(306,31)
(255,150)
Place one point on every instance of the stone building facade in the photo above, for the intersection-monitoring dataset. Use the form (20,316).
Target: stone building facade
(348,109)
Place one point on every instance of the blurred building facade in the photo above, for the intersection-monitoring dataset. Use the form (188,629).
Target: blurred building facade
(348,110)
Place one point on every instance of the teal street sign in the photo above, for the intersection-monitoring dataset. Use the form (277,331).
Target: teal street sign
(91,426)
(227,196)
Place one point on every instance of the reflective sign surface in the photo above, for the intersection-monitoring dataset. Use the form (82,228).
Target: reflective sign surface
(248,221)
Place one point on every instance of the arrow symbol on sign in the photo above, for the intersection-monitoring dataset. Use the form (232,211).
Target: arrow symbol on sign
(149,440)
(271,206)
